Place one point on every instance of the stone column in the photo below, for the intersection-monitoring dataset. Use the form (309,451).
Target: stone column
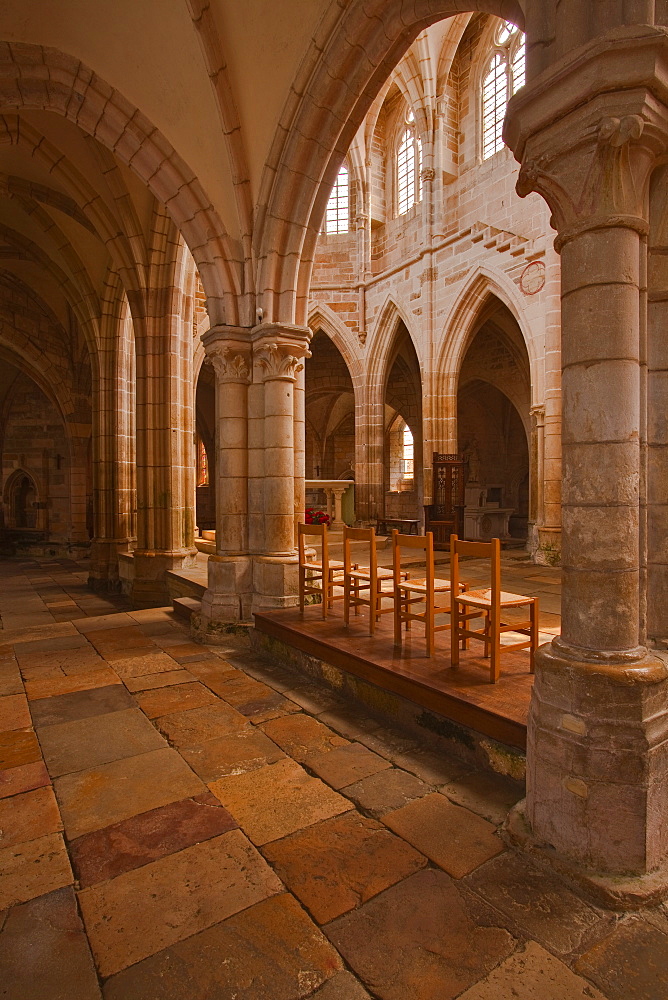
(278,353)
(657,409)
(165,460)
(114,497)
(228,596)
(597,757)
(369,468)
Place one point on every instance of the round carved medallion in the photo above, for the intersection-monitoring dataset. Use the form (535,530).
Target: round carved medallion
(532,278)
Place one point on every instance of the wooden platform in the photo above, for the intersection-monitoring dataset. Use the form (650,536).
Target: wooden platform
(463,695)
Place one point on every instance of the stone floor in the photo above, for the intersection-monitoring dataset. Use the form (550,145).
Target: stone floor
(179,822)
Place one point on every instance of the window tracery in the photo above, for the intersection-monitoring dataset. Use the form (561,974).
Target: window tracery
(337,213)
(503,77)
(408,166)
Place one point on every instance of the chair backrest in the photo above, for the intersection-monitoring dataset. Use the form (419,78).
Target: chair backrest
(478,550)
(367,535)
(423,543)
(305,531)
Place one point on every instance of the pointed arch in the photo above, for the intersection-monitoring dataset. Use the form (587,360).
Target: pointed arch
(382,338)
(482,285)
(317,128)
(322,317)
(46,79)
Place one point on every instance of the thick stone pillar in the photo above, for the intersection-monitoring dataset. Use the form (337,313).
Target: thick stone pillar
(228,596)
(165,460)
(369,466)
(278,353)
(114,496)
(597,756)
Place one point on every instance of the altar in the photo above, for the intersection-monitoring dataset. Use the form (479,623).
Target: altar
(484,517)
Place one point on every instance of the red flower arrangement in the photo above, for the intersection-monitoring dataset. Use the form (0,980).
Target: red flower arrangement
(316,516)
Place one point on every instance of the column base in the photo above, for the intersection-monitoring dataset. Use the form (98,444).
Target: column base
(614,892)
(103,574)
(275,582)
(226,604)
(148,587)
(597,767)
(547,545)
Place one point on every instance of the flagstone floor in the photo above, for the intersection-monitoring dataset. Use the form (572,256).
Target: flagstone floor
(182,822)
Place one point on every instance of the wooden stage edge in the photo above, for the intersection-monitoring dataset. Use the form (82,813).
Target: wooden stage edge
(463,696)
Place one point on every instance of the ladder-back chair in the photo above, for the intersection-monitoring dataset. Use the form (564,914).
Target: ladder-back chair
(427,590)
(363,585)
(488,604)
(319,576)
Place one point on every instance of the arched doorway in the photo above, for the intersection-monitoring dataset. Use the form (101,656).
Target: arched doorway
(403,431)
(205,452)
(493,404)
(330,412)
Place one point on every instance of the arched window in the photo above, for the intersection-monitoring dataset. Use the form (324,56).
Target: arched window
(202,464)
(407,459)
(503,77)
(337,214)
(409,157)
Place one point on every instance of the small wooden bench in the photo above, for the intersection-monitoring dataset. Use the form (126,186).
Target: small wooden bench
(405,525)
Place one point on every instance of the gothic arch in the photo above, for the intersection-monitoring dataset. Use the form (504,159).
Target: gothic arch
(11,493)
(322,317)
(463,320)
(382,339)
(45,79)
(335,88)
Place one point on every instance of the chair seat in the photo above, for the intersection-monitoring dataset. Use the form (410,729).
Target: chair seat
(333,564)
(364,573)
(440,586)
(483,599)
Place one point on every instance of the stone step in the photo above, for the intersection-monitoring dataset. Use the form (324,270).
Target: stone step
(184,607)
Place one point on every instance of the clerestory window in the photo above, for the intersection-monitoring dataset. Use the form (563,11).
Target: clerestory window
(504,76)
(337,214)
(409,157)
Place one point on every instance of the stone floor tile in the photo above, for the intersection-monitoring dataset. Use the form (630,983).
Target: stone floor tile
(100,739)
(631,963)
(143,911)
(14,780)
(80,705)
(185,648)
(42,642)
(143,663)
(53,686)
(532,974)
(349,722)
(300,735)
(277,800)
(272,952)
(44,952)
(214,671)
(345,765)
(342,986)
(33,869)
(97,857)
(14,713)
(436,768)
(338,864)
(535,901)
(313,698)
(188,729)
(452,837)
(418,940)
(10,678)
(28,816)
(250,697)
(117,619)
(174,698)
(240,751)
(386,791)
(96,798)
(119,638)
(490,795)
(148,682)
(62,662)
(18,747)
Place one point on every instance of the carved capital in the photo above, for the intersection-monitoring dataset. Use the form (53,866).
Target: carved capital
(427,174)
(228,350)
(229,364)
(278,351)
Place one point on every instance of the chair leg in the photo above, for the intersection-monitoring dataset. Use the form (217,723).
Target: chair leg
(346,600)
(302,585)
(398,604)
(429,625)
(534,635)
(454,636)
(495,660)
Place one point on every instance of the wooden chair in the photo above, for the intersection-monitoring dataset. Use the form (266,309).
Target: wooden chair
(426,590)
(317,577)
(488,604)
(363,585)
